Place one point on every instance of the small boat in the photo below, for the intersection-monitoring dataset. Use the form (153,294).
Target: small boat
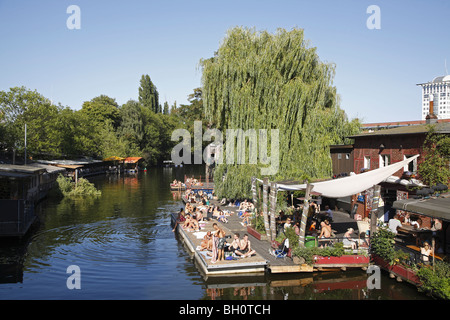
(177,186)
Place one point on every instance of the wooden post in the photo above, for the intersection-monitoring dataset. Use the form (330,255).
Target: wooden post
(301,237)
(432,249)
(264,206)
(374,212)
(273,208)
(254,194)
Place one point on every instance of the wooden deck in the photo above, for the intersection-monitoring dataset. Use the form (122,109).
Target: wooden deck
(263,261)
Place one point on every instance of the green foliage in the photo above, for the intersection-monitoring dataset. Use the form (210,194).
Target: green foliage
(101,110)
(436,282)
(81,189)
(382,244)
(148,94)
(435,168)
(258,80)
(99,129)
(308,253)
(257,222)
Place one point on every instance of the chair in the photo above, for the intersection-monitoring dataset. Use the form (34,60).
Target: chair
(282,250)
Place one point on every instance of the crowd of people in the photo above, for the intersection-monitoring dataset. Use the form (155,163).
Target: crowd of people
(199,210)
(421,239)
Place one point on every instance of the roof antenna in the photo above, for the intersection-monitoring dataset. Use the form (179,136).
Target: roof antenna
(446,71)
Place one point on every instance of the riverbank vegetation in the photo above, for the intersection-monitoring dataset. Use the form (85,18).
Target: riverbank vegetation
(82,188)
(99,129)
(258,80)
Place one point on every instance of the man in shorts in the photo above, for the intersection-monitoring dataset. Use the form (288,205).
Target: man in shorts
(220,234)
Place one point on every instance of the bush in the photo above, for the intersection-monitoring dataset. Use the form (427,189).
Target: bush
(82,188)
(337,250)
(382,244)
(436,282)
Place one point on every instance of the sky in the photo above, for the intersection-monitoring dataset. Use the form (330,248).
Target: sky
(377,70)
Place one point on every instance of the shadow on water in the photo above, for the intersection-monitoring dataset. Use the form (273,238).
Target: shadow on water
(125,248)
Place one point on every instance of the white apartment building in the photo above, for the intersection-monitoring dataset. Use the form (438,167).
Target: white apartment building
(439,91)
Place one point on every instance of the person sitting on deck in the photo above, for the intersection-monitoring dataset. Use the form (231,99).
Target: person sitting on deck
(206,243)
(394,223)
(426,251)
(325,232)
(287,224)
(245,249)
(235,244)
(245,217)
(191,224)
(416,223)
(180,219)
(198,214)
(348,241)
(329,213)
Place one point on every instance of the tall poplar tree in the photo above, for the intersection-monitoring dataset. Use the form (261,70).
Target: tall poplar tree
(148,94)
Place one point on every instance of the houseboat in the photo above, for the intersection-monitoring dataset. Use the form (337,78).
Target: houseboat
(21,188)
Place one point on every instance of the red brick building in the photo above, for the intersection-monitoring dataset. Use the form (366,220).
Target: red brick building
(375,149)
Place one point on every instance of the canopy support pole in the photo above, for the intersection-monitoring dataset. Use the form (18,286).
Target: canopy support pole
(264,206)
(273,208)
(374,212)
(301,237)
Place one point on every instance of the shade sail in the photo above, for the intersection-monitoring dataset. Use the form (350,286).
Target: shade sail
(352,184)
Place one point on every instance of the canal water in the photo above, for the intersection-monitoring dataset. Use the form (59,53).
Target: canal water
(124,247)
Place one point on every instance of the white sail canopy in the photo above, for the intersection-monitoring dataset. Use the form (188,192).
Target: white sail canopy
(352,184)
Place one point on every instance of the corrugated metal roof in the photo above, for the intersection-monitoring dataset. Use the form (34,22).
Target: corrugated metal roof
(432,207)
(443,127)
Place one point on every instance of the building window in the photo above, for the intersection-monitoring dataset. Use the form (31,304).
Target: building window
(339,156)
(384,160)
(367,162)
(347,156)
(412,166)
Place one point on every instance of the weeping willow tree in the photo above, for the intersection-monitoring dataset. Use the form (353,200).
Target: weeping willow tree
(258,80)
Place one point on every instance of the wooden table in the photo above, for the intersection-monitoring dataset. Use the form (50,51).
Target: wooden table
(416,233)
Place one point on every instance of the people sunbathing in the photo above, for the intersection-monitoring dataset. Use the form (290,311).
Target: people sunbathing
(191,224)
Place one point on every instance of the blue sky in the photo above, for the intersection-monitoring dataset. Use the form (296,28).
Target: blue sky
(376,70)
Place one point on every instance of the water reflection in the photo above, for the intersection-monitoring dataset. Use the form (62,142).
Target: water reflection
(125,248)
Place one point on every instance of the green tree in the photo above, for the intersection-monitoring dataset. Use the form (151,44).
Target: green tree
(132,127)
(102,109)
(148,94)
(258,80)
(20,106)
(166,108)
(434,168)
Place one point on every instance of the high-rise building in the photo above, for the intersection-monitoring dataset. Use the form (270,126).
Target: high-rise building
(437,91)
